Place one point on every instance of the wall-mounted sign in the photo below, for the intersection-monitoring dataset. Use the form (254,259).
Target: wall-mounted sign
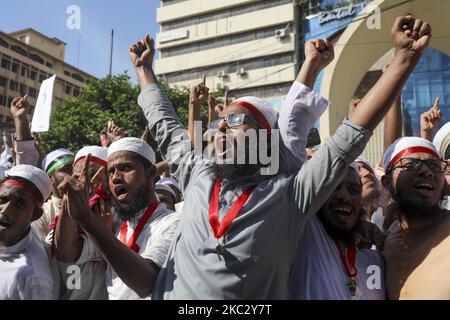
(336,14)
(172,35)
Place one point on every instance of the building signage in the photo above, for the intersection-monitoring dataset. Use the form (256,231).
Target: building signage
(172,35)
(336,14)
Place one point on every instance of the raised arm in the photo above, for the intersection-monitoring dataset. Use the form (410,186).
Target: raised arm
(302,106)
(429,121)
(24,146)
(411,37)
(165,127)
(198,95)
(137,273)
(321,175)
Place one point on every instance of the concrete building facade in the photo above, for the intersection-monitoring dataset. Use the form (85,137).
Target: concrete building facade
(27,58)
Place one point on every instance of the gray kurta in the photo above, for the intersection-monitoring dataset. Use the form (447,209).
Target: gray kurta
(260,245)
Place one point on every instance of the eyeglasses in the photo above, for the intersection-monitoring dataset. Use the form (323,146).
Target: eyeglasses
(234,120)
(413,164)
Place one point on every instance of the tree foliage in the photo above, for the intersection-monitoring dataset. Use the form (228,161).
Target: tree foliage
(77,122)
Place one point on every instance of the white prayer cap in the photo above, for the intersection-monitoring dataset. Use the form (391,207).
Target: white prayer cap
(354,166)
(407,145)
(54,155)
(100,153)
(170,181)
(442,139)
(134,145)
(262,110)
(164,187)
(35,176)
(362,159)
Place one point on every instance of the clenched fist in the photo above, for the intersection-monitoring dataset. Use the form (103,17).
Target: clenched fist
(410,34)
(142,52)
(320,52)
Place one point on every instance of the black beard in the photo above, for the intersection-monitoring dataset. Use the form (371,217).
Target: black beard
(126,211)
(234,171)
(414,213)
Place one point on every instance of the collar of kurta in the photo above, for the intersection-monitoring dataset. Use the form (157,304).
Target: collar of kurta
(19,247)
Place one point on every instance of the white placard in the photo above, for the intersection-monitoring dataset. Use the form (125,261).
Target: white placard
(41,115)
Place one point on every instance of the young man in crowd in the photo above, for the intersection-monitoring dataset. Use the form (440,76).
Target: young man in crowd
(57,164)
(328,264)
(88,282)
(24,265)
(137,249)
(416,253)
(238,257)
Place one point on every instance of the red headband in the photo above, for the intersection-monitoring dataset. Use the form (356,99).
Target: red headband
(255,111)
(16,183)
(93,159)
(410,151)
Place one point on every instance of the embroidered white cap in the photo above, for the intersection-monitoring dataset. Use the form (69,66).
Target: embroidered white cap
(134,145)
(100,153)
(37,177)
(262,110)
(442,139)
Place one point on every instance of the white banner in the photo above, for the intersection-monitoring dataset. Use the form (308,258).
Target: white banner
(41,115)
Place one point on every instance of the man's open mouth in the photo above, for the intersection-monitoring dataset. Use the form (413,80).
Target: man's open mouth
(121,193)
(4,224)
(343,210)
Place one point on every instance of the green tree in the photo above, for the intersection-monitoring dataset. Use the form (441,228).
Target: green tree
(78,121)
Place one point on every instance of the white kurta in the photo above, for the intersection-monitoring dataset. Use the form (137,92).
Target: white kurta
(25,270)
(154,242)
(318,272)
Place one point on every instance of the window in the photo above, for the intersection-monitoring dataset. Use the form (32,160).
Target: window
(33,73)
(42,76)
(15,66)
(6,62)
(23,89)
(77,77)
(49,64)
(19,50)
(32,92)
(13,85)
(3,100)
(25,72)
(9,101)
(3,43)
(76,91)
(221,42)
(68,89)
(36,58)
(67,73)
(3,81)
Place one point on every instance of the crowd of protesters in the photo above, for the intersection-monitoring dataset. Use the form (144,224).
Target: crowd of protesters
(242,211)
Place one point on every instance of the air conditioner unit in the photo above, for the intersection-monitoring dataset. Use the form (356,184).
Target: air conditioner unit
(222,74)
(221,86)
(241,71)
(280,33)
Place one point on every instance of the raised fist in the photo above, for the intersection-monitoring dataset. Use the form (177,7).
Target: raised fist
(142,52)
(411,34)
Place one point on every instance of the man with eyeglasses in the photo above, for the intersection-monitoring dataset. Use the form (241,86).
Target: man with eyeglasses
(416,253)
(239,229)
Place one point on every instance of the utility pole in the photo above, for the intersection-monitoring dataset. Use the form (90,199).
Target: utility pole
(111,53)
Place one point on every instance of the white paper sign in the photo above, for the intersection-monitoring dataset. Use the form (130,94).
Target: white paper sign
(41,115)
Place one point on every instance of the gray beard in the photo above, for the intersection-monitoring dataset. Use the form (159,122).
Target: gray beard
(126,211)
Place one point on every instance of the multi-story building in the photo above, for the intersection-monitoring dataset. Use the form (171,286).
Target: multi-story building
(244,46)
(27,58)
(254,47)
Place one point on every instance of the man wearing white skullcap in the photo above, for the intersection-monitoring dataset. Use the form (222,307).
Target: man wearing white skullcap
(416,253)
(92,273)
(328,253)
(58,165)
(442,142)
(240,227)
(166,195)
(145,227)
(24,266)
